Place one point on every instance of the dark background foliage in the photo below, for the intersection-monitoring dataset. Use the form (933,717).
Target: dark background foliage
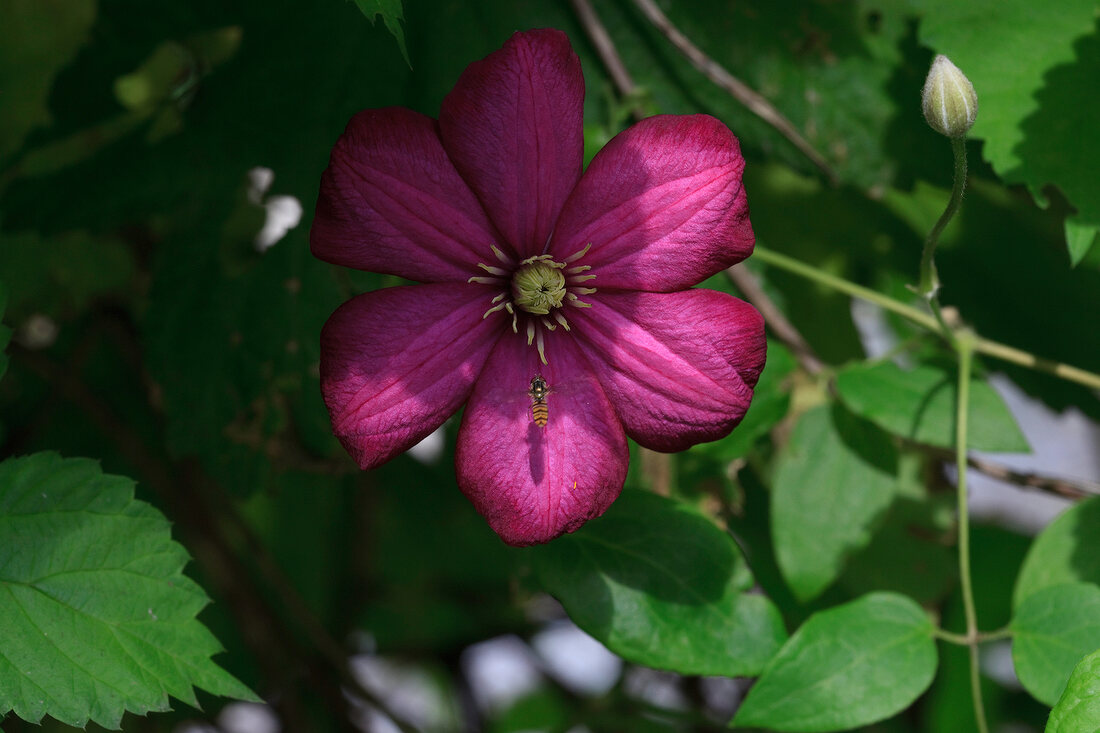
(152,334)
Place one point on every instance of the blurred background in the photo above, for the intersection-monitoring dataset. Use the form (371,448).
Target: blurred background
(159,165)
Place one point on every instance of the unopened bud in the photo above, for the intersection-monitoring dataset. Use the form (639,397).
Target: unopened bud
(948,99)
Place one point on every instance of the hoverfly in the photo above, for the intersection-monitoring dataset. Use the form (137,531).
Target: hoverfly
(540,412)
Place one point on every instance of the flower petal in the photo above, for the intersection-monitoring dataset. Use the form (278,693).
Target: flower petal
(513,127)
(391,201)
(679,367)
(662,206)
(396,363)
(534,483)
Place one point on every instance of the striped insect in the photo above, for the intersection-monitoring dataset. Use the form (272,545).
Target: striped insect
(540,412)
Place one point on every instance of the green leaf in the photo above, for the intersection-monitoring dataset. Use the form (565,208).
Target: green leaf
(1067,551)
(1029,64)
(37,39)
(63,272)
(833,479)
(98,616)
(392,15)
(659,584)
(919,404)
(1051,631)
(1079,239)
(906,554)
(1078,710)
(846,667)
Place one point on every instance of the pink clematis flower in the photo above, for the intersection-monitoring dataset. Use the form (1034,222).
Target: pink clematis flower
(528,269)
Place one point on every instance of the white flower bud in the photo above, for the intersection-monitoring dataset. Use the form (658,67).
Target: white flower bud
(948,99)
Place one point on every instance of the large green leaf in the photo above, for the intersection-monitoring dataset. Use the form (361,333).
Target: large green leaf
(99,618)
(919,404)
(847,666)
(659,584)
(1051,631)
(1078,710)
(1067,551)
(1029,64)
(833,479)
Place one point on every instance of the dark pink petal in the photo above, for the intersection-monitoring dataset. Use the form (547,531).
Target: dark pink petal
(662,205)
(679,367)
(396,363)
(513,127)
(391,201)
(534,483)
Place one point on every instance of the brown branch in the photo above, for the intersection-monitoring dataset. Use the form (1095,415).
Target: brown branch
(1068,488)
(778,324)
(743,93)
(605,47)
(657,469)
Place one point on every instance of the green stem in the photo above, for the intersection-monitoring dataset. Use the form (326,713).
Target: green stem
(929,278)
(921,318)
(964,343)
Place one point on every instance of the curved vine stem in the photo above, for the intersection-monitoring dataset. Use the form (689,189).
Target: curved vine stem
(921,318)
(929,279)
(963,342)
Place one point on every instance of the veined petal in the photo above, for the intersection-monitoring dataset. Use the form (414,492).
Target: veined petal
(679,367)
(513,127)
(396,363)
(662,206)
(534,483)
(391,201)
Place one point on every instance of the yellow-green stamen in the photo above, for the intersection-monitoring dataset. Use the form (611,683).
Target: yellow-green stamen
(536,289)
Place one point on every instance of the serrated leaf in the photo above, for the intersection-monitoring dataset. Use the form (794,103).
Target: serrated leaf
(392,15)
(98,616)
(659,584)
(1051,631)
(1029,64)
(1078,709)
(919,404)
(1067,551)
(833,479)
(845,667)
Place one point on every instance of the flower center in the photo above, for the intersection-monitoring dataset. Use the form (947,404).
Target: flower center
(538,285)
(536,291)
